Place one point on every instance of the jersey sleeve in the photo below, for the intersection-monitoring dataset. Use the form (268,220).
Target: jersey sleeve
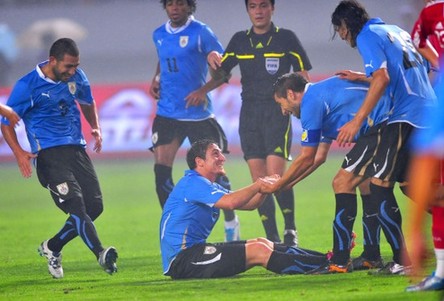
(300,60)
(229,60)
(19,100)
(312,118)
(83,93)
(204,191)
(210,41)
(372,51)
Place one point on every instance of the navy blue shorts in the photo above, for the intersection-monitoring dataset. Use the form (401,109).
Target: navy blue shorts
(209,261)
(167,129)
(67,172)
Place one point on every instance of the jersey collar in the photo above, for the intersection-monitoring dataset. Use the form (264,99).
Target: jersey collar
(374,21)
(41,74)
(174,30)
(273,29)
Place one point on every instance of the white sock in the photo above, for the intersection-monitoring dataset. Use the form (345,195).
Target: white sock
(439,253)
(233,223)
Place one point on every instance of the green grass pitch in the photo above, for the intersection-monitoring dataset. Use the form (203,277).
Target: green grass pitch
(130,223)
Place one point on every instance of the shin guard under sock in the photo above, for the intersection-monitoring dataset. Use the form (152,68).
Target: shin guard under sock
(65,235)
(164,182)
(285,199)
(371,228)
(346,208)
(268,217)
(390,219)
(284,263)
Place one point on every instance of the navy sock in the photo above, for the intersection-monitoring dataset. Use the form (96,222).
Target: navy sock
(284,263)
(285,200)
(346,208)
(164,182)
(371,228)
(390,219)
(268,217)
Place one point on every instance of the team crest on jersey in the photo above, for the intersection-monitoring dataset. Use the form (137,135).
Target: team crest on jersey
(304,136)
(72,87)
(154,138)
(272,65)
(209,250)
(183,42)
(63,188)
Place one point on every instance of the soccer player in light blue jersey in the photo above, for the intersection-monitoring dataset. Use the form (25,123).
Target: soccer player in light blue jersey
(46,100)
(184,107)
(193,208)
(323,107)
(391,63)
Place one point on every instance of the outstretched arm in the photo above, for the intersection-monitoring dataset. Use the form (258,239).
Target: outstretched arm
(321,157)
(247,198)
(300,166)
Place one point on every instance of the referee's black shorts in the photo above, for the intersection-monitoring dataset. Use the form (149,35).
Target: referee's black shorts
(166,129)
(264,130)
(209,261)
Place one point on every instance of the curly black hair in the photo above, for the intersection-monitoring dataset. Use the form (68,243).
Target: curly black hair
(191,3)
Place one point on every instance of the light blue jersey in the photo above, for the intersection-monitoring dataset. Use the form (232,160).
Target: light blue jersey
(189,215)
(182,54)
(388,46)
(329,104)
(49,110)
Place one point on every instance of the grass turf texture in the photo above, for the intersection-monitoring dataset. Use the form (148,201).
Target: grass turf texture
(130,223)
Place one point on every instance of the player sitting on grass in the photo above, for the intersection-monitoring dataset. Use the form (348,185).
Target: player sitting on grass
(193,208)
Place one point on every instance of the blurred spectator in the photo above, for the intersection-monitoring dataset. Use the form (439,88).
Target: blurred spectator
(8,53)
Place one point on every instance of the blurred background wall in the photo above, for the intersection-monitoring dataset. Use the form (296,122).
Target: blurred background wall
(118,46)
(118,55)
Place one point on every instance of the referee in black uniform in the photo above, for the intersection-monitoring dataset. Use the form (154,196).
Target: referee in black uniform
(263,53)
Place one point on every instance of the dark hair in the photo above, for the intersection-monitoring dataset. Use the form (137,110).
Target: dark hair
(63,46)
(198,150)
(191,3)
(289,81)
(354,16)
(246,3)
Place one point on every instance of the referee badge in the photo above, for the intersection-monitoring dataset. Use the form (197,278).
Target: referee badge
(183,42)
(272,65)
(63,188)
(209,250)
(72,87)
